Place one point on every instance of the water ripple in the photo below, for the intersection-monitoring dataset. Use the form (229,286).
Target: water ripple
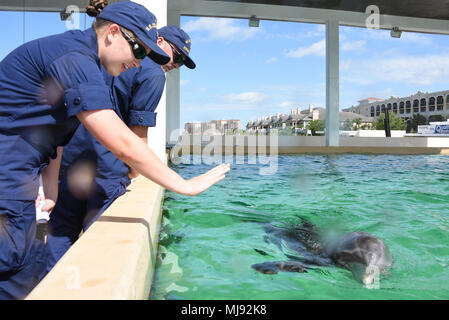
(210,241)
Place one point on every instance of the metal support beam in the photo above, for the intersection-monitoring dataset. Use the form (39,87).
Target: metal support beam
(276,11)
(234,9)
(173,88)
(332,84)
(156,135)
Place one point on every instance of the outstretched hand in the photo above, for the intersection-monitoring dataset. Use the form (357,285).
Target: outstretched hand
(203,182)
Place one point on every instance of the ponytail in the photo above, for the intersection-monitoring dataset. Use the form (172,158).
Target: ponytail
(95,7)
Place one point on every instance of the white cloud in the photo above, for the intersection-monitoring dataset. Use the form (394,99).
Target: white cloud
(317,48)
(220,29)
(319,31)
(377,34)
(271,60)
(388,52)
(418,38)
(384,35)
(287,104)
(358,46)
(184,82)
(246,97)
(268,99)
(422,70)
(291,96)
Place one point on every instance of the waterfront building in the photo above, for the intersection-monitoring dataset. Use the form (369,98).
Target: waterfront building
(300,119)
(216,126)
(433,106)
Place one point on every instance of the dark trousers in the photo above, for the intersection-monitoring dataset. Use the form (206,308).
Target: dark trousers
(72,215)
(22,256)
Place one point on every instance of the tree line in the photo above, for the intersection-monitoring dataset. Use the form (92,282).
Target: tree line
(396,123)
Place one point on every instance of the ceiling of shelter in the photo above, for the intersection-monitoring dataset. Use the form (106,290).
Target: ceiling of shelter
(431,9)
(43,5)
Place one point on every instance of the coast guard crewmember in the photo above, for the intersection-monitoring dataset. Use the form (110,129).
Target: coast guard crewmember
(46,87)
(137,93)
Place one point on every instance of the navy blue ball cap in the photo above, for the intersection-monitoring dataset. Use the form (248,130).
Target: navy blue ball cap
(140,21)
(181,40)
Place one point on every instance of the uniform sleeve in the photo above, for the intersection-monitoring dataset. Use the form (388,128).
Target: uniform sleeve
(147,93)
(82,82)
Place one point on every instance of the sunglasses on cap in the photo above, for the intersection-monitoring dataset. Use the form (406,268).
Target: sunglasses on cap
(177,56)
(139,50)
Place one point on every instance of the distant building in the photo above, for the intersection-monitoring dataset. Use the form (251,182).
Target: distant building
(221,126)
(193,127)
(299,119)
(432,106)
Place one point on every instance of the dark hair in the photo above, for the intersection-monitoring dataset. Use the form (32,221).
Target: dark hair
(95,7)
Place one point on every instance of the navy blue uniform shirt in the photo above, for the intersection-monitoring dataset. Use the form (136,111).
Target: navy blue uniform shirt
(43,85)
(137,93)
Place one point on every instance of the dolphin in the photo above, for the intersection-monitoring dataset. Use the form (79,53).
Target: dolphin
(364,254)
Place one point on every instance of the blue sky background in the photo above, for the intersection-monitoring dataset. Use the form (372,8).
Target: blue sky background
(244,73)
(247,72)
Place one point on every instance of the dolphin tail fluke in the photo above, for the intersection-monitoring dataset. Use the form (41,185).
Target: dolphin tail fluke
(273,267)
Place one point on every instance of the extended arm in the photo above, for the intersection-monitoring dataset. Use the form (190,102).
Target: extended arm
(109,130)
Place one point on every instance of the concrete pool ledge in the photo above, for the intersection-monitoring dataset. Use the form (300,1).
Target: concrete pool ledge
(115,257)
(252,145)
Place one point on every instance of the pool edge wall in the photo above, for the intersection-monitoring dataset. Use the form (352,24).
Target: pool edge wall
(252,145)
(115,258)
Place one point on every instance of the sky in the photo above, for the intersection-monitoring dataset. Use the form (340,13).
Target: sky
(245,73)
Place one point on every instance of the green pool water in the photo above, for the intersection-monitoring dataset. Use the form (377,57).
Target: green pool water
(208,242)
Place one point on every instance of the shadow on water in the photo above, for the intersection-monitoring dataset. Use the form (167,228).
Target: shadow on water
(300,241)
(249,214)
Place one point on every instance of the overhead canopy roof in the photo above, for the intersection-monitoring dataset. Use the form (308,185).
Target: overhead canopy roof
(430,9)
(410,15)
(43,5)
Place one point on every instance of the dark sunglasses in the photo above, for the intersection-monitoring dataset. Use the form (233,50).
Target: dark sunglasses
(139,51)
(177,56)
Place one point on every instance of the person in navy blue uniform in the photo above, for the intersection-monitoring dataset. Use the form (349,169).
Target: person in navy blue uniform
(47,87)
(137,93)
